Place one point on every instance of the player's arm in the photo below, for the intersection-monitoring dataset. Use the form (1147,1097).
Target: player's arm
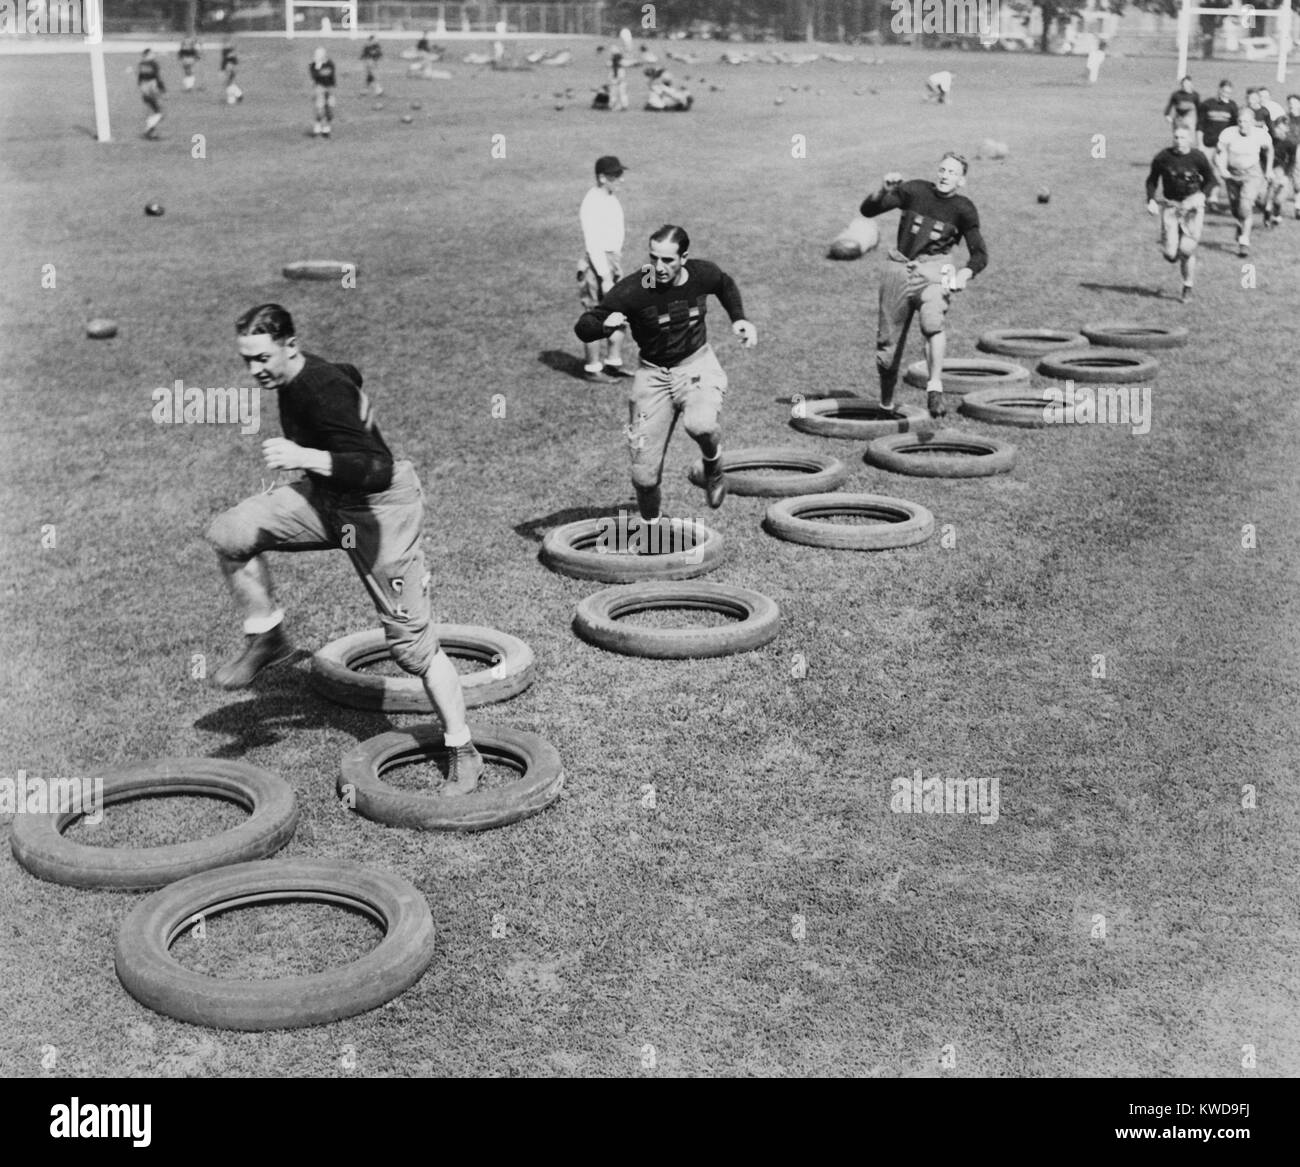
(611,313)
(1268,153)
(341,413)
(1153,181)
(888,198)
(1208,179)
(978,253)
(728,295)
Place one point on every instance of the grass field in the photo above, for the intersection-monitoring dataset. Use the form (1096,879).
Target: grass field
(769,914)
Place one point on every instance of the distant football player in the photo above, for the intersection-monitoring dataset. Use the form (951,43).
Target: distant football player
(188,54)
(371,54)
(322,76)
(679,376)
(1185,178)
(1245,157)
(921,278)
(1183,105)
(601,267)
(939,86)
(229,65)
(1284,174)
(1216,114)
(149,78)
(353,495)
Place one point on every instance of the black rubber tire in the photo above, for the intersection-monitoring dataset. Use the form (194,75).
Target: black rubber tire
(1029,342)
(319,269)
(568,550)
(334,670)
(1100,366)
(1025,406)
(101,328)
(39,845)
(904,523)
(596,620)
(813,472)
(855,417)
(962,374)
(905,454)
(1130,334)
(539,785)
(150,974)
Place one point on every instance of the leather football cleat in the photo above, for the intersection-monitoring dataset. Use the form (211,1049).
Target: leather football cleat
(261,651)
(464,769)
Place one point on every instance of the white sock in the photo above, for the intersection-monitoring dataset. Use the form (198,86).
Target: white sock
(256,625)
(614,364)
(593,368)
(454,740)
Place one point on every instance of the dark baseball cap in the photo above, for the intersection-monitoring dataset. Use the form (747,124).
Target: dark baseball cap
(608,164)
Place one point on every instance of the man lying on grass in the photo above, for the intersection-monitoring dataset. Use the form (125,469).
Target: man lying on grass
(353,496)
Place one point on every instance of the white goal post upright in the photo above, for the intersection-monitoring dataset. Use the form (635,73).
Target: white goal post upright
(94,32)
(1247,15)
(348,7)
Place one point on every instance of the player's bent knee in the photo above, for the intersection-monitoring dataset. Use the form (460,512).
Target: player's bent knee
(227,537)
(1185,248)
(413,649)
(645,476)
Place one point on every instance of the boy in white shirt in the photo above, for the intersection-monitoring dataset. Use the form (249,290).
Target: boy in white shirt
(601,267)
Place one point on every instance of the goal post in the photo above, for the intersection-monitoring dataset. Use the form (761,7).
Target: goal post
(347,10)
(1249,17)
(94,32)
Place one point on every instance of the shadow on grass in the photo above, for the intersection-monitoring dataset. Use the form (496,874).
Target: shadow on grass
(563,362)
(535,529)
(1126,289)
(266,719)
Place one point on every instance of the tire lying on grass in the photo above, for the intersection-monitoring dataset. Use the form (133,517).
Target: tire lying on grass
(158,981)
(39,844)
(962,374)
(848,417)
(1029,342)
(597,620)
(539,784)
(575,549)
(1024,406)
(1113,366)
(335,676)
(901,523)
(942,454)
(319,269)
(1130,334)
(810,471)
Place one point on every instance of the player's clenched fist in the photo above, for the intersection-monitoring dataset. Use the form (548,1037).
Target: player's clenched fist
(746,331)
(282,454)
(892,179)
(615,320)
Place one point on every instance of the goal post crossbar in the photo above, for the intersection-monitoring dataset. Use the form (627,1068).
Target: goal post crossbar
(348,7)
(1245,13)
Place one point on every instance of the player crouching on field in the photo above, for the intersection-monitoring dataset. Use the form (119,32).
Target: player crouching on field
(920,277)
(353,496)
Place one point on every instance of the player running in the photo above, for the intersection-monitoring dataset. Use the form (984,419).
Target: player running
(371,54)
(188,54)
(1186,178)
(354,496)
(229,63)
(322,75)
(920,276)
(149,78)
(1215,115)
(1183,106)
(679,375)
(1286,137)
(1245,157)
(601,267)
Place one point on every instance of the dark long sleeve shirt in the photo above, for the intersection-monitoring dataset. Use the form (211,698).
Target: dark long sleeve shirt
(667,323)
(931,224)
(323,408)
(1181,175)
